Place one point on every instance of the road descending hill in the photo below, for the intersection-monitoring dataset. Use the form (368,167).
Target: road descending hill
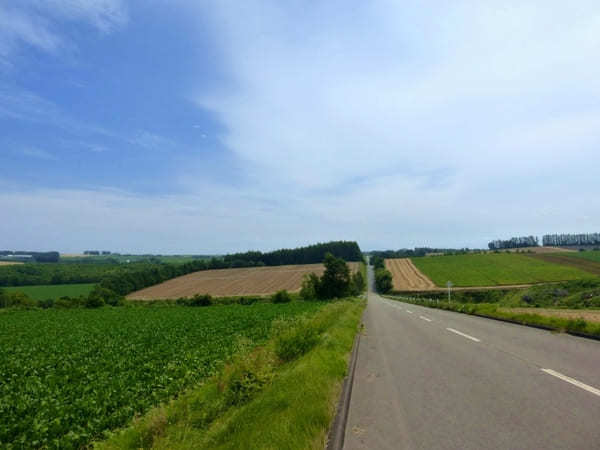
(231,282)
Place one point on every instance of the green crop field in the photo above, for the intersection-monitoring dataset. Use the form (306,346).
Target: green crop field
(53,291)
(493,269)
(69,376)
(589,255)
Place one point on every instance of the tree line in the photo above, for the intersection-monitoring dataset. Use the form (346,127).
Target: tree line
(312,254)
(571,239)
(42,257)
(416,252)
(515,242)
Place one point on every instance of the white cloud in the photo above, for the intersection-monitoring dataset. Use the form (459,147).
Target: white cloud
(328,93)
(38,153)
(36,23)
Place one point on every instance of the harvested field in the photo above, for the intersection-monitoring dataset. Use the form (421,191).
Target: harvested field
(406,277)
(586,314)
(9,263)
(590,266)
(233,282)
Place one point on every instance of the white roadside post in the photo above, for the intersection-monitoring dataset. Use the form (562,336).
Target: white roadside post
(449,284)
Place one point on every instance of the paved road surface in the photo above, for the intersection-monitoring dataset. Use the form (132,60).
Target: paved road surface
(432,379)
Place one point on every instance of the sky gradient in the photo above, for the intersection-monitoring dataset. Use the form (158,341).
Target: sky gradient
(218,126)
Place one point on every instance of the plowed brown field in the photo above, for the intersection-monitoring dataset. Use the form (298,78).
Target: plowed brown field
(9,263)
(232,282)
(406,277)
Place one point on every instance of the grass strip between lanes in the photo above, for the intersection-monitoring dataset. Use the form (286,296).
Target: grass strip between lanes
(579,326)
(280,395)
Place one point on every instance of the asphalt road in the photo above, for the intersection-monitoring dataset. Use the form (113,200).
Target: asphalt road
(432,379)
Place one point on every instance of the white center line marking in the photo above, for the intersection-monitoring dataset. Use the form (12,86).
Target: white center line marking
(425,318)
(573,381)
(463,334)
(410,312)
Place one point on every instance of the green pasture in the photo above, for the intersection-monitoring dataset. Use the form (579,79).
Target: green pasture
(493,269)
(589,255)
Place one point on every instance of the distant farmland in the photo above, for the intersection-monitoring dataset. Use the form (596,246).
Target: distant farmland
(232,282)
(9,263)
(586,261)
(406,277)
(494,269)
(53,291)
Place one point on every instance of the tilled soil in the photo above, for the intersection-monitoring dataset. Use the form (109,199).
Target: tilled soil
(233,282)
(406,277)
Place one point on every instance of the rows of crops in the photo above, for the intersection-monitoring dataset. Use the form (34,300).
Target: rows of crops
(68,376)
(494,269)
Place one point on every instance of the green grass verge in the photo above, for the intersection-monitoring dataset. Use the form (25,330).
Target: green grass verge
(493,310)
(53,291)
(493,269)
(281,395)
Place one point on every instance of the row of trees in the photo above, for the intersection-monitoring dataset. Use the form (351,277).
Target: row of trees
(571,239)
(42,257)
(336,281)
(312,254)
(416,252)
(515,242)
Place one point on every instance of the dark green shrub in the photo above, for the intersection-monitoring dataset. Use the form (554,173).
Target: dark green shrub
(357,283)
(200,300)
(335,282)
(310,287)
(94,301)
(48,303)
(383,281)
(281,297)
(247,300)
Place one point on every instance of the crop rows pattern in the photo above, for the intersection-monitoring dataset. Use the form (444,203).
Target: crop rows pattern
(69,376)
(493,270)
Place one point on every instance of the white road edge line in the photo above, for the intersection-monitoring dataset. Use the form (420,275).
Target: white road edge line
(573,381)
(463,334)
(410,312)
(425,318)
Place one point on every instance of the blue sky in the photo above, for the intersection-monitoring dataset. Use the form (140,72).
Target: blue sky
(214,126)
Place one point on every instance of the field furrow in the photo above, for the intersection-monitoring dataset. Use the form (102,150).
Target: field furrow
(406,277)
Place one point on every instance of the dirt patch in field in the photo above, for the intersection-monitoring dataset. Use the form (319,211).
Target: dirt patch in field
(565,260)
(589,315)
(406,277)
(233,282)
(9,263)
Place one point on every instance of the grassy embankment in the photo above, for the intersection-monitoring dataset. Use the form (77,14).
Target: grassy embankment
(53,291)
(565,307)
(280,395)
(494,269)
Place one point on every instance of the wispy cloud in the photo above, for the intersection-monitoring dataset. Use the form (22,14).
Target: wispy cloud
(323,96)
(35,23)
(38,153)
